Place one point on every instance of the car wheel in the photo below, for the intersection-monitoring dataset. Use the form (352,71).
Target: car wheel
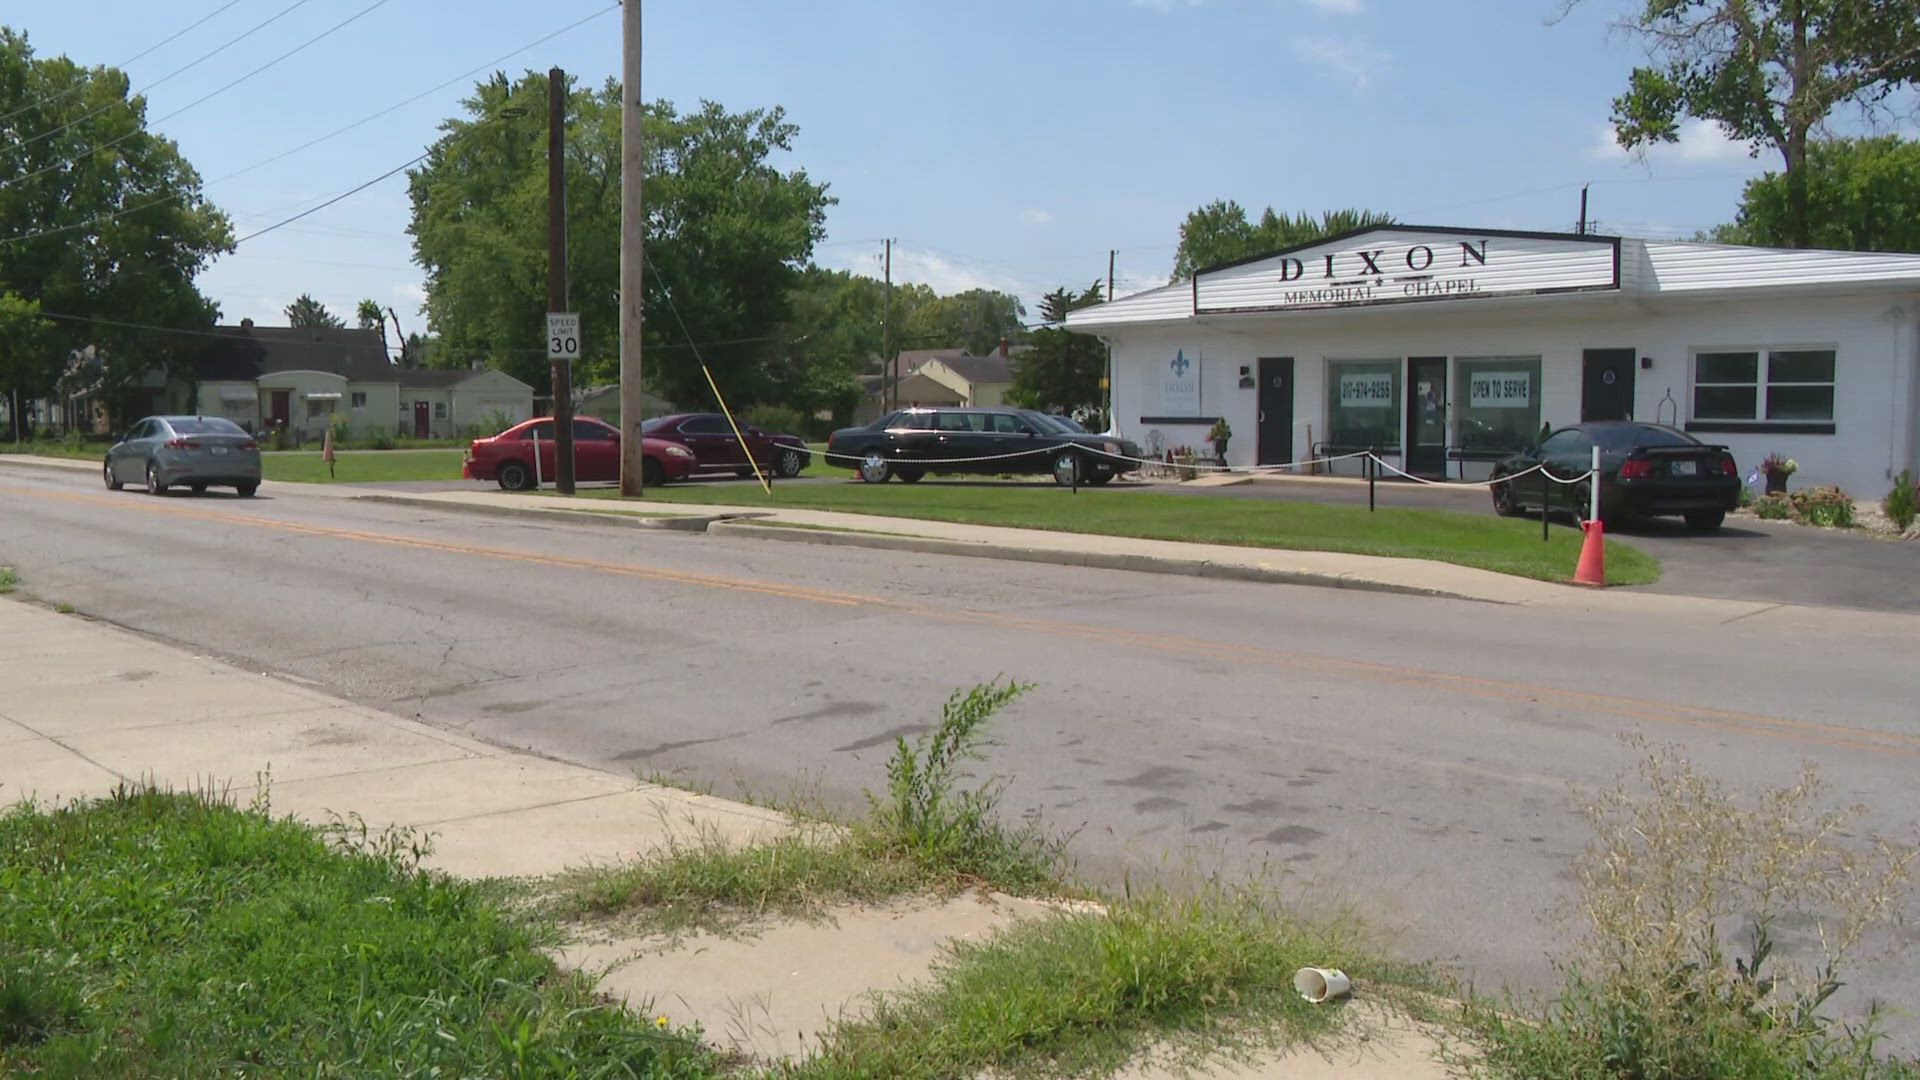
(1066,469)
(1503,503)
(246,490)
(154,486)
(874,467)
(515,476)
(106,471)
(1705,520)
(791,462)
(652,473)
(197,489)
(908,476)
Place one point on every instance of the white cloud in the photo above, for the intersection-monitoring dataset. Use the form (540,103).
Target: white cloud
(1035,217)
(941,273)
(1338,7)
(1701,142)
(1352,61)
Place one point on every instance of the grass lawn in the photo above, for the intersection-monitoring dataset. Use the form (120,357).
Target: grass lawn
(360,466)
(160,934)
(1480,540)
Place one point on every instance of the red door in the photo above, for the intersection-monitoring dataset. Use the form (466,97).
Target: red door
(422,421)
(282,408)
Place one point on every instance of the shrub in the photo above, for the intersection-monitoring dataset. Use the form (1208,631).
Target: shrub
(1826,506)
(493,422)
(380,439)
(1902,504)
(342,425)
(1676,875)
(1773,507)
(778,419)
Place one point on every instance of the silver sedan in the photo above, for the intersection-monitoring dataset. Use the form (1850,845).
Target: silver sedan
(197,452)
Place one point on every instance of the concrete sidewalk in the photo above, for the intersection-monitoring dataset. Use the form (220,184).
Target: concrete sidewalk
(87,706)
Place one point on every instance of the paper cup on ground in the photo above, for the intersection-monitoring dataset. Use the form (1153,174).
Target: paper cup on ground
(1320,984)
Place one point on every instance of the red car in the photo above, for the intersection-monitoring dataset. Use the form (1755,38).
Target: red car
(716,448)
(508,457)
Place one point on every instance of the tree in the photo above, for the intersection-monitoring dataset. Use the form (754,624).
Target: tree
(1061,370)
(1219,232)
(306,311)
(1768,72)
(30,360)
(371,316)
(726,235)
(977,320)
(1862,195)
(100,219)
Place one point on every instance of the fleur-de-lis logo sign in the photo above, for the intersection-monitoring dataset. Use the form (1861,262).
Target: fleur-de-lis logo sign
(1179,364)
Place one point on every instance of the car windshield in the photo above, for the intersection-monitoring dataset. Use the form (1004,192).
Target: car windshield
(648,427)
(1068,423)
(205,425)
(1631,436)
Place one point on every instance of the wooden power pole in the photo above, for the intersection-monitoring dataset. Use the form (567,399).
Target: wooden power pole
(889,364)
(557,274)
(633,235)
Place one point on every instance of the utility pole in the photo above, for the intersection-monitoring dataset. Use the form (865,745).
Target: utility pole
(1582,230)
(889,362)
(633,235)
(557,274)
(1107,398)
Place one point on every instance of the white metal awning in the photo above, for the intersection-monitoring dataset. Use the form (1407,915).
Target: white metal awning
(323,395)
(239,395)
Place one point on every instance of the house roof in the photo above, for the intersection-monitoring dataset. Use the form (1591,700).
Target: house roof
(910,360)
(433,378)
(1600,267)
(242,353)
(981,369)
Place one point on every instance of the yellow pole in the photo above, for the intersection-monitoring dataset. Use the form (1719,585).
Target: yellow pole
(728,413)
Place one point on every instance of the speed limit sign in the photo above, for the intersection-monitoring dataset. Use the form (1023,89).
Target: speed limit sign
(563,335)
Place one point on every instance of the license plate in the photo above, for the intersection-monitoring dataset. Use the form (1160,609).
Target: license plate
(1686,468)
(218,450)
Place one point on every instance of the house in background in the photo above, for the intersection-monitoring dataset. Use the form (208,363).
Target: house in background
(939,377)
(300,378)
(603,403)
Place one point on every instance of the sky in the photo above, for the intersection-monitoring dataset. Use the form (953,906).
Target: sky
(999,144)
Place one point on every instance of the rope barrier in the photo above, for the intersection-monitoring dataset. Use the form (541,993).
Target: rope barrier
(1109,455)
(1509,478)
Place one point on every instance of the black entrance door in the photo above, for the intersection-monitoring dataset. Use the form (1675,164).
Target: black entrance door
(1427,416)
(1276,411)
(1606,388)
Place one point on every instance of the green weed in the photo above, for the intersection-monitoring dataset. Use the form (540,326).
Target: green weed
(9,579)
(159,934)
(1681,894)
(1902,504)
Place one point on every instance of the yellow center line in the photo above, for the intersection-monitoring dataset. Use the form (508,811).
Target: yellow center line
(1667,712)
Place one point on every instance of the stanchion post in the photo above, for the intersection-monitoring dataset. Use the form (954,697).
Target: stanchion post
(1545,489)
(1593,486)
(1373,469)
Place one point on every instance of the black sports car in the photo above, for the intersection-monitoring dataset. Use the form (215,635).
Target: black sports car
(1646,470)
(910,443)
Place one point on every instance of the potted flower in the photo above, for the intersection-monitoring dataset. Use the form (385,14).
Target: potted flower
(1218,435)
(1777,469)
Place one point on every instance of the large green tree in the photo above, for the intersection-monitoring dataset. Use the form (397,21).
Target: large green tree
(976,320)
(102,223)
(1061,371)
(726,233)
(1768,72)
(1862,195)
(1220,232)
(30,359)
(307,312)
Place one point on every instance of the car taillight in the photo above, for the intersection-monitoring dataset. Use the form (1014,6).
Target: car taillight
(183,444)
(1727,467)
(249,445)
(1633,467)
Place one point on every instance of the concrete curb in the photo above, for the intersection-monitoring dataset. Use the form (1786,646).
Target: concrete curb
(50,464)
(1147,564)
(678,523)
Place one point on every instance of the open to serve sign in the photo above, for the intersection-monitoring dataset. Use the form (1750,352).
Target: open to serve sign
(563,335)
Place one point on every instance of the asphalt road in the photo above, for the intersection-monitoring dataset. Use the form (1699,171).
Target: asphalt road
(1418,758)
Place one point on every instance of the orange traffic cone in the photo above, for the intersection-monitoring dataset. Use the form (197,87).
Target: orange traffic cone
(1592,569)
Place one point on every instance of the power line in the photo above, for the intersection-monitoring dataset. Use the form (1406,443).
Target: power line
(69,91)
(23,143)
(330,202)
(323,35)
(576,24)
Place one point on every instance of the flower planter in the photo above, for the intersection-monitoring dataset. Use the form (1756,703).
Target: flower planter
(1776,481)
(1220,450)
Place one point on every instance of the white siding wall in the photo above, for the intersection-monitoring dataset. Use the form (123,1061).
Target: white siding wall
(1877,345)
